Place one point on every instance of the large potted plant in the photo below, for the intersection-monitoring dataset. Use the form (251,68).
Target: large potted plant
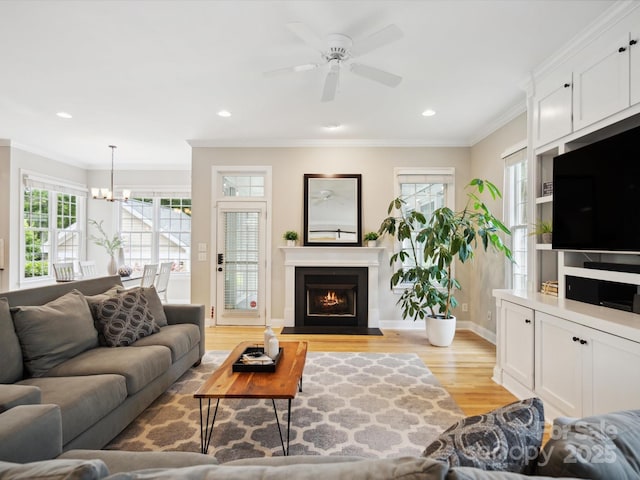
(428,249)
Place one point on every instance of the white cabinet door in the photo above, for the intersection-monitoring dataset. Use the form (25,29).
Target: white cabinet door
(518,337)
(601,85)
(612,380)
(634,66)
(552,110)
(558,366)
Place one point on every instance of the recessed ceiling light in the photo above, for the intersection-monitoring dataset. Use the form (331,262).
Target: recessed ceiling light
(428,113)
(333,126)
(224,113)
(64,115)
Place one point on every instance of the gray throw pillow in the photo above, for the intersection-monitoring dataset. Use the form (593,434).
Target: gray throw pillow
(10,353)
(601,446)
(124,318)
(505,439)
(56,470)
(155,304)
(54,332)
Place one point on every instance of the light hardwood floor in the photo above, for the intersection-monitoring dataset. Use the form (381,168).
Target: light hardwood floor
(464,368)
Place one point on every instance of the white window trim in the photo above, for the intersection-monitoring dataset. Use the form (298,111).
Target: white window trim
(36,180)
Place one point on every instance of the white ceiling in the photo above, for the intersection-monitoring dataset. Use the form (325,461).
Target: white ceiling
(149,76)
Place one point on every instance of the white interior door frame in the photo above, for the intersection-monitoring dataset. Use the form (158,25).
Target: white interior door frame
(218,198)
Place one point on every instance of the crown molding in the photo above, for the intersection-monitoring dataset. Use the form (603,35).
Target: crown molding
(301,143)
(499,121)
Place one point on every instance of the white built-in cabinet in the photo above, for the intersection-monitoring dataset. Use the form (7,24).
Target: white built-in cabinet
(552,108)
(601,84)
(518,338)
(634,66)
(576,369)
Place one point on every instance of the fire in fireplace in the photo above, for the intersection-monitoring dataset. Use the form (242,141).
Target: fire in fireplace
(331,296)
(335,299)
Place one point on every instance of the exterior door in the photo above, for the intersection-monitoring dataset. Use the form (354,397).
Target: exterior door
(240,263)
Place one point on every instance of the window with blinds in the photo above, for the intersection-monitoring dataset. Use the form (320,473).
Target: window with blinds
(424,190)
(516,198)
(241,260)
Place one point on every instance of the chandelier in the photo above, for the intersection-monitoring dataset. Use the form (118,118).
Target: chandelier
(107,193)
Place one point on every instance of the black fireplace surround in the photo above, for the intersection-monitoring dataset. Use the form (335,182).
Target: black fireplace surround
(331,297)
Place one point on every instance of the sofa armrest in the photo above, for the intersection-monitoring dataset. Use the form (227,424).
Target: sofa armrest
(30,433)
(187,313)
(12,395)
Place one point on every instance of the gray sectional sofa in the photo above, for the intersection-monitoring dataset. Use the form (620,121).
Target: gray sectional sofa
(52,353)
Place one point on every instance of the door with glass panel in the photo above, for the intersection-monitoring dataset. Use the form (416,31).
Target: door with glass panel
(240,263)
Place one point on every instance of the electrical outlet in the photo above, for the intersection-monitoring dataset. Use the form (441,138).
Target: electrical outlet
(488,315)
(465,307)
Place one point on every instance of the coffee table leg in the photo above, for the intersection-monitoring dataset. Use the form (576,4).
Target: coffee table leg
(285,451)
(205,430)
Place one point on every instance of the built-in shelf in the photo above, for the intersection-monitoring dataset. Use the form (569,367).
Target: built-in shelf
(545,199)
(608,275)
(543,246)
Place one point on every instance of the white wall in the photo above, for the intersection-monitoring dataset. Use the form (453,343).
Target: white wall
(289,165)
(488,268)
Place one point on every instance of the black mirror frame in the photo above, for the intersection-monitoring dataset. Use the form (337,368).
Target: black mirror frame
(331,243)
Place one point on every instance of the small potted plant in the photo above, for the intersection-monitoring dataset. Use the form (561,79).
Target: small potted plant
(110,244)
(371,238)
(290,236)
(544,229)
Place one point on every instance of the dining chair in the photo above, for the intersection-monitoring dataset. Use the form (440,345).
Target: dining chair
(63,271)
(88,268)
(162,282)
(149,275)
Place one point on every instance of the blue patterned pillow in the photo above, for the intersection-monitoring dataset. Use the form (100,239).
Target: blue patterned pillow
(505,439)
(124,318)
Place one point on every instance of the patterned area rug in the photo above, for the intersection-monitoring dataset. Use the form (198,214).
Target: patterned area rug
(365,404)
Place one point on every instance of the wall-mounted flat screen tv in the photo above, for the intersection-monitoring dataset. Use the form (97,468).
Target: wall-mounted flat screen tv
(596,195)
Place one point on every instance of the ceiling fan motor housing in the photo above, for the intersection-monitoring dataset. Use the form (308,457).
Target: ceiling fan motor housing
(339,47)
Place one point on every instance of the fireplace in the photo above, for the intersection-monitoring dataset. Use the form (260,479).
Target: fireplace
(331,296)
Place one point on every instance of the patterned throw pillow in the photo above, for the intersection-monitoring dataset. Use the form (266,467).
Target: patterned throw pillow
(506,439)
(124,318)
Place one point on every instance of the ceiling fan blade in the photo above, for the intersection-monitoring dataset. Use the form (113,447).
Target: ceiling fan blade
(331,83)
(308,36)
(295,69)
(388,34)
(375,74)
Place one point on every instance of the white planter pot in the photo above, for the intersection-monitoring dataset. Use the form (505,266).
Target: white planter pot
(291,243)
(372,243)
(440,331)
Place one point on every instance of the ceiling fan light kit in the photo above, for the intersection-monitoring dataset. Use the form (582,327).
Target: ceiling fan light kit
(339,49)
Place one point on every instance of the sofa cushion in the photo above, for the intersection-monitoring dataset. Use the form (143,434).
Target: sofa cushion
(124,461)
(601,446)
(54,332)
(29,433)
(10,353)
(55,470)
(13,395)
(124,318)
(83,400)
(405,468)
(506,439)
(139,366)
(155,304)
(180,339)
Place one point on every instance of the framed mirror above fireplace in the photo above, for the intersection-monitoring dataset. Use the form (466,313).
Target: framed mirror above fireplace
(332,214)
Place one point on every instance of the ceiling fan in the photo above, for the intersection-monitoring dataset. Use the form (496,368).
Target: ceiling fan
(336,50)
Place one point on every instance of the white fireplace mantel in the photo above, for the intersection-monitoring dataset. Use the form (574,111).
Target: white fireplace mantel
(331,257)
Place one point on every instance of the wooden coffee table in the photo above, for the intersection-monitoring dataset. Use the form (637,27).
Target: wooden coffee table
(284,383)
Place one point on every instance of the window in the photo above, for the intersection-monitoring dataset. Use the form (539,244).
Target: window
(156,229)
(516,217)
(53,225)
(425,190)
